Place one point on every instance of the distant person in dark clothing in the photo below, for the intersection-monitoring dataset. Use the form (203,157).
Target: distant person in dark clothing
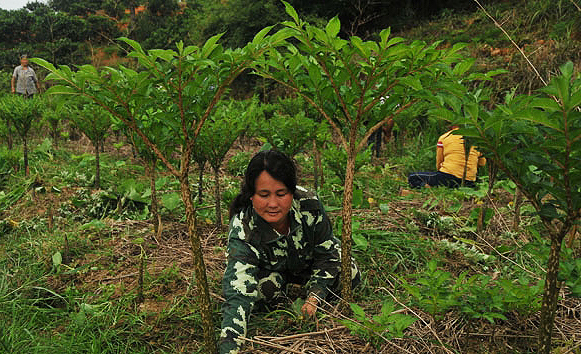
(450,162)
(24,81)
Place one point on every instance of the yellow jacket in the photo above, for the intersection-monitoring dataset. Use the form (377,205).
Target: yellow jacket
(450,157)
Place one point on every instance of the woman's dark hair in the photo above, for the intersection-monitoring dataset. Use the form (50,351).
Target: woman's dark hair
(277,164)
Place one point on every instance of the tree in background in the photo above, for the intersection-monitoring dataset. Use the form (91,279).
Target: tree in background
(239,20)
(162,25)
(81,7)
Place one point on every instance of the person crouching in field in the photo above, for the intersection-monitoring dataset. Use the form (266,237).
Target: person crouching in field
(279,238)
(450,162)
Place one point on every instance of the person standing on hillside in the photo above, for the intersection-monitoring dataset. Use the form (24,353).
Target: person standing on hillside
(24,81)
(451,163)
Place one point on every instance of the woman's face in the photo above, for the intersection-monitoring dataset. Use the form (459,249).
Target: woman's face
(272,200)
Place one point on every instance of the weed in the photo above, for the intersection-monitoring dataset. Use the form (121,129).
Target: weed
(570,272)
(434,292)
(385,326)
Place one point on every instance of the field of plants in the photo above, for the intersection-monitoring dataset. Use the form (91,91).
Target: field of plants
(115,184)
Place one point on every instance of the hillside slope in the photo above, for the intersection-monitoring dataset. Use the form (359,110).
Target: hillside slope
(547,32)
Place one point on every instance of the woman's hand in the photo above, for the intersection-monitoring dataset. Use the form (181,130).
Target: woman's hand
(310,306)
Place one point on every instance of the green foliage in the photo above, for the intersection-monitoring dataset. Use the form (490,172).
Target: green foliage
(570,273)
(478,297)
(535,141)
(483,299)
(327,71)
(229,120)
(289,129)
(237,164)
(382,327)
(522,295)
(23,113)
(434,292)
(9,161)
(92,120)
(184,85)
(335,159)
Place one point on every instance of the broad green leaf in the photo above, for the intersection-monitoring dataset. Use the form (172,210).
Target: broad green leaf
(333,27)
(384,36)
(134,44)
(360,241)
(394,41)
(315,74)
(567,70)
(63,90)
(358,312)
(57,259)
(384,208)
(463,66)
(164,54)
(291,12)
(282,35)
(189,50)
(259,37)
(210,45)
(539,117)
(45,64)
(472,109)
(94,224)
(358,43)
(545,103)
(412,82)
(575,101)
(171,201)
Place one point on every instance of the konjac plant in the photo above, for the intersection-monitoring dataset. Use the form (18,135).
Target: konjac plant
(536,142)
(345,79)
(183,86)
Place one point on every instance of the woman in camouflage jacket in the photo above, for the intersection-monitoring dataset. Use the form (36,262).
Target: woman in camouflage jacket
(279,235)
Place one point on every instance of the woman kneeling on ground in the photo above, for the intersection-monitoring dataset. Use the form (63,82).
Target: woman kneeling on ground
(279,238)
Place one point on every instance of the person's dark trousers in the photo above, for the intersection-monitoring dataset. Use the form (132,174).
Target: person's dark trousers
(375,140)
(434,179)
(26,95)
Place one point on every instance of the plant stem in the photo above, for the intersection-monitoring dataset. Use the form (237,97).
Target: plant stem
(550,296)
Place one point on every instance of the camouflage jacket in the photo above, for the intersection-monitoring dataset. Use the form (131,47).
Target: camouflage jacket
(254,245)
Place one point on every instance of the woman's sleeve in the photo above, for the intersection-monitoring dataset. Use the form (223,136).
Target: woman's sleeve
(239,287)
(439,154)
(326,256)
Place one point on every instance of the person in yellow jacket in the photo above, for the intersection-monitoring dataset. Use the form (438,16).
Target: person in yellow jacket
(451,164)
